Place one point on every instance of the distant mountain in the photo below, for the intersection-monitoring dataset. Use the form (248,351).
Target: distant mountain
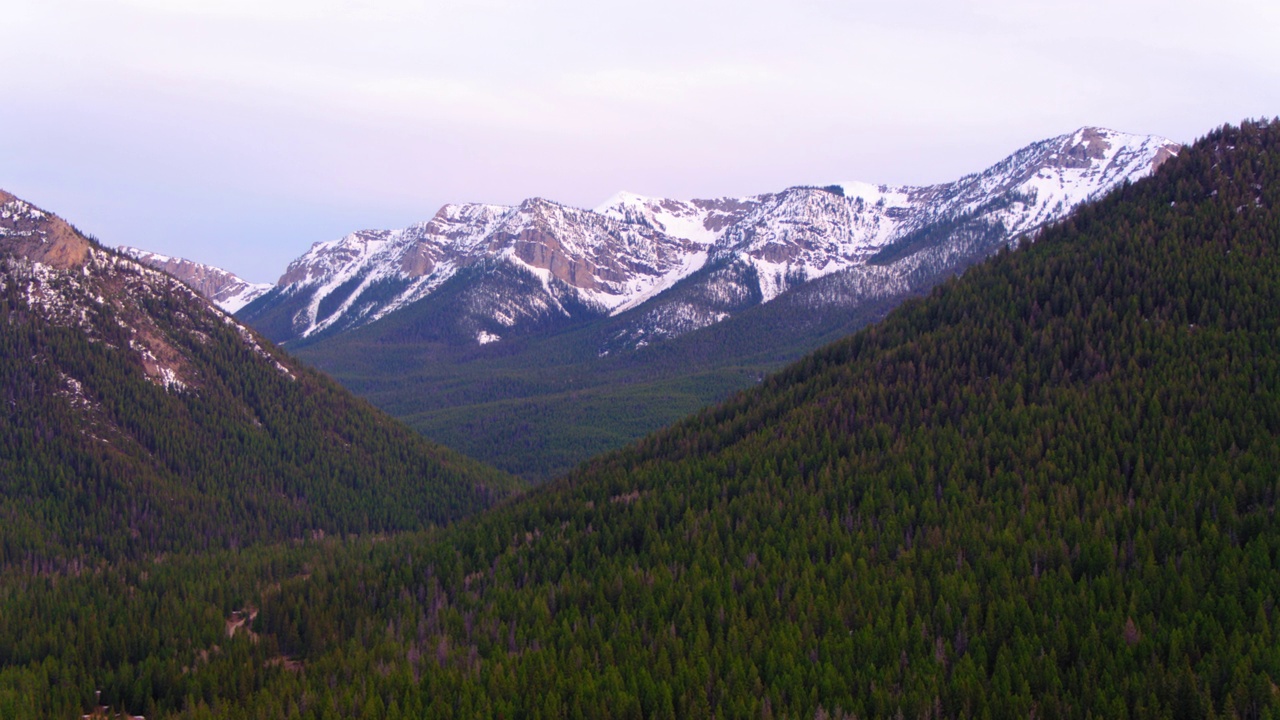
(532,351)
(226,290)
(877,241)
(587,264)
(139,419)
(524,266)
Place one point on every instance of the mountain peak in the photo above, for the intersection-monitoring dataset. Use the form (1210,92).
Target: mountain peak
(539,202)
(621,199)
(1097,144)
(33,234)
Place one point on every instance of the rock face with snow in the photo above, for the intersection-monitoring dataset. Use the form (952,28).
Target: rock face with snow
(881,241)
(226,290)
(526,265)
(595,263)
(30,233)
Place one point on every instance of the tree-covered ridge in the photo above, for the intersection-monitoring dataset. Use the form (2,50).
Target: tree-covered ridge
(139,419)
(1048,489)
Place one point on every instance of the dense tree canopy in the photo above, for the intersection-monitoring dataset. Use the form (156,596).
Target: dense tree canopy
(1047,489)
(100,460)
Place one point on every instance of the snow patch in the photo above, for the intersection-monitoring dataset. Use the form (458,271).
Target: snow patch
(20,210)
(881,195)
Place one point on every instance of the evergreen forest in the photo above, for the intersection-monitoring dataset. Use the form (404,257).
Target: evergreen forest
(99,461)
(1047,489)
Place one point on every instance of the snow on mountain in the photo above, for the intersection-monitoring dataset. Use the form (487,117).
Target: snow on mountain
(699,221)
(220,287)
(877,241)
(632,248)
(611,264)
(1049,178)
(604,262)
(806,233)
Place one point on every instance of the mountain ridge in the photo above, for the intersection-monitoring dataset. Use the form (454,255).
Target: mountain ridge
(630,248)
(140,418)
(221,287)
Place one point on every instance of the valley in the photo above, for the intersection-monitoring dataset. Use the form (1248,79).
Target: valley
(537,336)
(1044,486)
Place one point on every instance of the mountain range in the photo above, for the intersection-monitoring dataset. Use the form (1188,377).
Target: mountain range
(630,249)
(537,335)
(733,252)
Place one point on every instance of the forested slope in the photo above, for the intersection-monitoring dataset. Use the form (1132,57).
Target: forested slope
(138,419)
(1047,489)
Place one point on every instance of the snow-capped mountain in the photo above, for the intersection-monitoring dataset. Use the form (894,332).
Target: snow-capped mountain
(596,263)
(226,290)
(882,241)
(725,254)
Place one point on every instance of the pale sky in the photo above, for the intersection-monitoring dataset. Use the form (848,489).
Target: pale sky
(239,132)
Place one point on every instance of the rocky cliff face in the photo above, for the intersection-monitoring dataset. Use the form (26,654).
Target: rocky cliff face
(31,233)
(737,251)
(604,263)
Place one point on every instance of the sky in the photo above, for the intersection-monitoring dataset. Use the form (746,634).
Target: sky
(239,132)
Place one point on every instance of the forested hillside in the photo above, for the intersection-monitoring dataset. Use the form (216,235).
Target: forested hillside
(1048,490)
(138,419)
